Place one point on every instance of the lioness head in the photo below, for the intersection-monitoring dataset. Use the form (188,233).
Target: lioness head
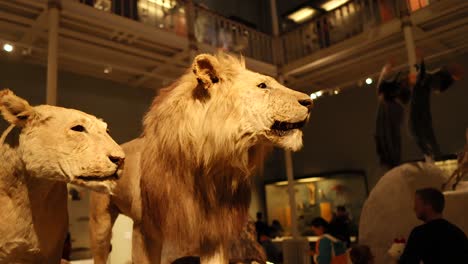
(63,144)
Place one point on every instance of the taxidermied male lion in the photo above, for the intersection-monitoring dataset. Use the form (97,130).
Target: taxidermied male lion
(203,137)
(56,146)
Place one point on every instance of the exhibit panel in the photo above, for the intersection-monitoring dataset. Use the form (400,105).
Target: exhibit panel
(317,196)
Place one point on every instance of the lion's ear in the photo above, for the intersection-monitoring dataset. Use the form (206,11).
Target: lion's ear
(14,109)
(206,67)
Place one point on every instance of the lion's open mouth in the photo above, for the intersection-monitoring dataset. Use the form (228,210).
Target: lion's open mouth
(281,128)
(99,178)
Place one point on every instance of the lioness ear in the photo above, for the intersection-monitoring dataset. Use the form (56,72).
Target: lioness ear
(14,109)
(205,67)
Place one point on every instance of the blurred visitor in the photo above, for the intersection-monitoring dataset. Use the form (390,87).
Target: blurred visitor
(88,2)
(277,228)
(273,253)
(437,240)
(126,8)
(329,249)
(340,225)
(361,254)
(323,31)
(260,226)
(66,251)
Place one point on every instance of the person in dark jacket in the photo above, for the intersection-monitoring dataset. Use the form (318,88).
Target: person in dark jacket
(340,225)
(437,241)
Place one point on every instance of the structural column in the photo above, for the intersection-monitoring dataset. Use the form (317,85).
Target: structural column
(54,7)
(291,193)
(407,26)
(190,17)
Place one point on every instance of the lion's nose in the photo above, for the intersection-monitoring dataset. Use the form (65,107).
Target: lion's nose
(116,160)
(306,102)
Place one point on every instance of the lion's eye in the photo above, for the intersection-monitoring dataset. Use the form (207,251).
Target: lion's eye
(78,128)
(262,85)
(108,131)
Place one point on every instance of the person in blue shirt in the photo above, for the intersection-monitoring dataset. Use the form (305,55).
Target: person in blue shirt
(329,249)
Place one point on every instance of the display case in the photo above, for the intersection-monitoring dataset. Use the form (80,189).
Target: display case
(317,195)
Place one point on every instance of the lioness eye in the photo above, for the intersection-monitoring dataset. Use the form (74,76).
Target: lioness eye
(108,131)
(262,85)
(78,128)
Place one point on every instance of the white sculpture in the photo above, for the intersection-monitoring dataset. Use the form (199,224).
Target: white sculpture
(388,212)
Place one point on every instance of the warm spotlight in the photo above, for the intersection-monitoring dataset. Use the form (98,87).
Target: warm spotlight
(8,47)
(108,70)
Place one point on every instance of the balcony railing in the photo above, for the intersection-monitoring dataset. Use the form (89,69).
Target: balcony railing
(210,28)
(342,23)
(215,30)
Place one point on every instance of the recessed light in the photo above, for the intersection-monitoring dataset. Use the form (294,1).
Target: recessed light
(108,70)
(369,81)
(8,47)
(302,14)
(332,4)
(319,93)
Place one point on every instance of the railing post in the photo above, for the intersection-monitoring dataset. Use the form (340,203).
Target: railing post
(291,193)
(190,18)
(54,7)
(277,47)
(407,26)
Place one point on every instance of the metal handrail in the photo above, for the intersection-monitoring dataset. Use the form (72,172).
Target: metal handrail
(342,23)
(216,30)
(211,28)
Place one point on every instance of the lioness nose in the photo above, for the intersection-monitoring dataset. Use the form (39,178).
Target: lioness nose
(306,102)
(116,160)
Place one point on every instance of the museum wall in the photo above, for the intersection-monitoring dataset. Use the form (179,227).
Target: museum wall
(122,107)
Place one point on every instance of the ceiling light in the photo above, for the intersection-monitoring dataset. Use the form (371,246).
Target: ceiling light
(313,179)
(306,180)
(332,4)
(107,69)
(163,3)
(302,14)
(26,51)
(313,96)
(369,81)
(319,93)
(8,47)
(336,91)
